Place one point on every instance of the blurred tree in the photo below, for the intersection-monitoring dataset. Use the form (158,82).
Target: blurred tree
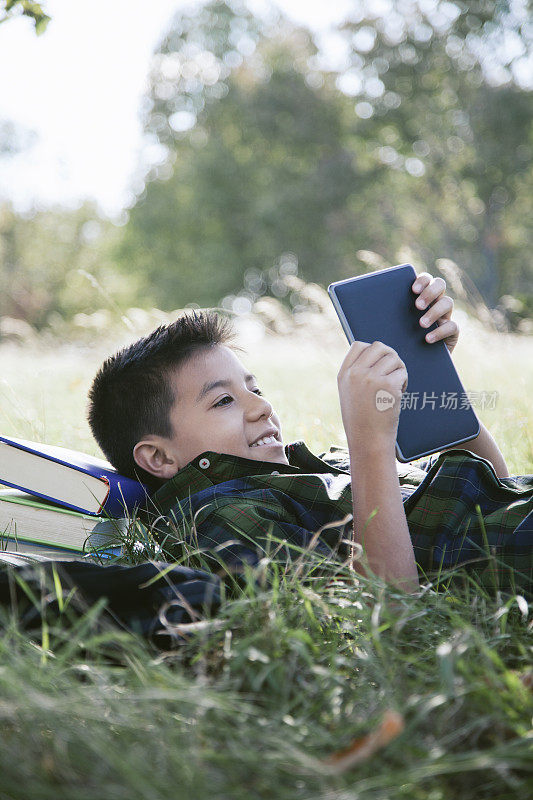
(254,162)
(26,8)
(444,93)
(57,262)
(421,144)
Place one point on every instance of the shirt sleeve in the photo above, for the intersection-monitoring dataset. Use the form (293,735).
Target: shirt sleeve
(337,457)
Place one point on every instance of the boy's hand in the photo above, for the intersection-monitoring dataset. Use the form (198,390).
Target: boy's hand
(430,293)
(371,380)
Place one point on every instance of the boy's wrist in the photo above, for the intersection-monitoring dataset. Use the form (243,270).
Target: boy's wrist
(374,447)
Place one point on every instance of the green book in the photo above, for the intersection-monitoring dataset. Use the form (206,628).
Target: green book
(29,524)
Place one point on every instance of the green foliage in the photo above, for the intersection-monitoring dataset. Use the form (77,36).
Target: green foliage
(263,161)
(262,171)
(28,9)
(56,262)
(449,110)
(261,152)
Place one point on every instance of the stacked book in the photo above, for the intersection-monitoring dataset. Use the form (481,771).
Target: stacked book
(57,497)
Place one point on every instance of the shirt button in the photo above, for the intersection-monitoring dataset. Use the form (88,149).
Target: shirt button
(274,472)
(204,463)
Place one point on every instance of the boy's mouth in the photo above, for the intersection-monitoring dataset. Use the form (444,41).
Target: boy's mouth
(266,439)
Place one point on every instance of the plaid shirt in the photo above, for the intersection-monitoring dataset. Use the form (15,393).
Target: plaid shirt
(234,509)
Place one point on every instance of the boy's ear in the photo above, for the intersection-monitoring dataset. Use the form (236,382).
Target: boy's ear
(154,456)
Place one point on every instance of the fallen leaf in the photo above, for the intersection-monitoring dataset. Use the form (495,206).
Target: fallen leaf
(364,747)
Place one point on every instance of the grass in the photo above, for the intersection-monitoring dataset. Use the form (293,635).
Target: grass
(256,703)
(254,706)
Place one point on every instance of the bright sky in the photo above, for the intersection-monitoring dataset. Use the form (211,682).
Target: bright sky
(79,87)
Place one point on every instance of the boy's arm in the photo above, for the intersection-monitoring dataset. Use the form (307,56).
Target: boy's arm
(380,525)
(485,446)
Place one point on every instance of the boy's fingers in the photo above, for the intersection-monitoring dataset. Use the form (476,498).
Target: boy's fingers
(387,363)
(441,309)
(377,350)
(353,354)
(367,355)
(356,350)
(421,281)
(445,331)
(364,353)
(397,379)
(433,290)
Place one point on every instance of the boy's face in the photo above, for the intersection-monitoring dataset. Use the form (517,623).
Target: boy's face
(218,407)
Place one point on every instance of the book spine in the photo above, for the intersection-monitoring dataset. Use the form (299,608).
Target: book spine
(123,493)
(123,496)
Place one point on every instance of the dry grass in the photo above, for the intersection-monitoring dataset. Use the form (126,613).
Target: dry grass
(45,382)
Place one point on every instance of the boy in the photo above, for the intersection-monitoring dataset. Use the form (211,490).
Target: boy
(179,410)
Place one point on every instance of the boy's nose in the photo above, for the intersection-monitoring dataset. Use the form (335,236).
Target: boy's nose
(260,407)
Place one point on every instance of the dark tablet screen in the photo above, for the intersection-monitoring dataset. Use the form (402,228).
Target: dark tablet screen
(436,412)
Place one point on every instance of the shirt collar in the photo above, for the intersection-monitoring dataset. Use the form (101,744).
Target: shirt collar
(211,468)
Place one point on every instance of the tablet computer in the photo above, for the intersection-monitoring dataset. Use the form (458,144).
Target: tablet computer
(435,411)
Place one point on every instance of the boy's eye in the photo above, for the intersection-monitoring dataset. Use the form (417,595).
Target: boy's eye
(222,402)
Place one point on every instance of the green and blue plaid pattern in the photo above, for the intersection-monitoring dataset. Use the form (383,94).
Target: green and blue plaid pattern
(458,511)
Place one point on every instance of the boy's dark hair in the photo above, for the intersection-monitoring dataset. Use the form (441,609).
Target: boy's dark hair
(131,394)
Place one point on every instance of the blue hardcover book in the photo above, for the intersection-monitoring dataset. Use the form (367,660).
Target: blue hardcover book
(71,479)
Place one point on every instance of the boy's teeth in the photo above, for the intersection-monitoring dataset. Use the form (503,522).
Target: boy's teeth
(265,440)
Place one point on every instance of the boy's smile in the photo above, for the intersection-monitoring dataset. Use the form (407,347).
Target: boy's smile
(219,407)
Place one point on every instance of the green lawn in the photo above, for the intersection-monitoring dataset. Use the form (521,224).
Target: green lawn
(254,704)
